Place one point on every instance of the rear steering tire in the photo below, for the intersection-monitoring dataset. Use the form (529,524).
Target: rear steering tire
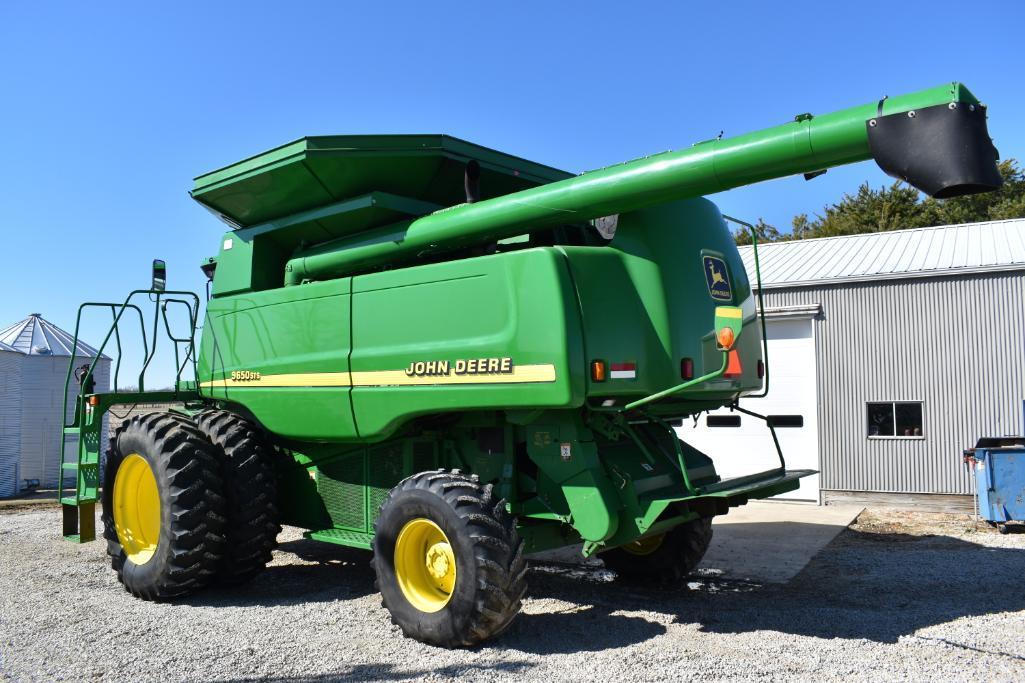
(448,560)
(665,559)
(163,508)
(251,493)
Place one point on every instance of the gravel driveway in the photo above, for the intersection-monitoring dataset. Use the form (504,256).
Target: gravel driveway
(873,605)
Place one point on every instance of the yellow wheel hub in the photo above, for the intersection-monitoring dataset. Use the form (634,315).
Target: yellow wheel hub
(645,546)
(137,508)
(425,566)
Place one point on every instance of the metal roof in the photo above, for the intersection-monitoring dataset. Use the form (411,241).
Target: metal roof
(5,347)
(898,254)
(36,336)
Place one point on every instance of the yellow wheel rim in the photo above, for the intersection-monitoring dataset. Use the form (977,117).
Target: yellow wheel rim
(645,546)
(137,509)
(425,566)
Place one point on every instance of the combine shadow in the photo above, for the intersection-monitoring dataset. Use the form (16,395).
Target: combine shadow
(591,628)
(336,573)
(876,587)
(390,672)
(589,618)
(870,586)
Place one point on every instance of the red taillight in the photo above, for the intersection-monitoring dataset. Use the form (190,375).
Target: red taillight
(687,368)
(626,370)
(598,370)
(761,369)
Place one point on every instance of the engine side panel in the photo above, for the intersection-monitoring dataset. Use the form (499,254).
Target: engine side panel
(283,355)
(493,332)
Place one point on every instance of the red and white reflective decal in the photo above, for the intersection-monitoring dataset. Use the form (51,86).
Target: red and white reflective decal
(623,371)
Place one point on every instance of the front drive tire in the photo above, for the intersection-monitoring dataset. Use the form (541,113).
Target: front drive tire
(665,559)
(163,507)
(251,493)
(448,560)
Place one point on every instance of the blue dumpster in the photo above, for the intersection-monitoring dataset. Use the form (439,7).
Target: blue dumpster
(999,464)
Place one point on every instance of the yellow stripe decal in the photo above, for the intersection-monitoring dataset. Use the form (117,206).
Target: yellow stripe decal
(729,311)
(521,374)
(399,378)
(307,379)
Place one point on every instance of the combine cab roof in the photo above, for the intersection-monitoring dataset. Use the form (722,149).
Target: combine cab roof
(305,176)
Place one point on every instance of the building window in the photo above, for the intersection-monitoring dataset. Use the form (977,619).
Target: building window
(895,419)
(723,420)
(786,420)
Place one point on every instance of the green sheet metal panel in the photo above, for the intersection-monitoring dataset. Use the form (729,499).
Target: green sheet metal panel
(645,301)
(316,171)
(337,219)
(283,354)
(519,307)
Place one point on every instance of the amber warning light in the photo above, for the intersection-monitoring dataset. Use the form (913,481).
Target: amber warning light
(726,337)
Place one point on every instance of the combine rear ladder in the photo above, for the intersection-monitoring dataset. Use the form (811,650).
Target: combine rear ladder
(78,506)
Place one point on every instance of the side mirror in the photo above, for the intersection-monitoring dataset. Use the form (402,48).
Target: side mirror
(159,275)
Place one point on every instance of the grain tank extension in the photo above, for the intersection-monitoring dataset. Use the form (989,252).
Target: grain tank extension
(454,357)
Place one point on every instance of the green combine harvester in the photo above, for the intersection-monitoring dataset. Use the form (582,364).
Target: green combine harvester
(454,357)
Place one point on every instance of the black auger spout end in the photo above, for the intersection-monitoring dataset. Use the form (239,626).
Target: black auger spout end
(943,150)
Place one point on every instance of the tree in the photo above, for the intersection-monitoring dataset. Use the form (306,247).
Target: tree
(868,210)
(1007,202)
(899,207)
(765,232)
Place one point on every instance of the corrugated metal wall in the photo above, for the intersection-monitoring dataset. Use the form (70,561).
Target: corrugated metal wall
(955,343)
(42,391)
(10,421)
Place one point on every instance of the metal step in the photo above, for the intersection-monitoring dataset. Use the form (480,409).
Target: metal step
(71,500)
(79,520)
(352,539)
(85,465)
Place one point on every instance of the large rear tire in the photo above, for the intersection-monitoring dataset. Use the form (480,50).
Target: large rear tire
(251,494)
(163,508)
(665,559)
(448,560)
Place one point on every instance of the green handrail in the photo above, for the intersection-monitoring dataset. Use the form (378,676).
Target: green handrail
(149,350)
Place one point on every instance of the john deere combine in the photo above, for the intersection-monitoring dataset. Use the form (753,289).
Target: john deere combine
(453,357)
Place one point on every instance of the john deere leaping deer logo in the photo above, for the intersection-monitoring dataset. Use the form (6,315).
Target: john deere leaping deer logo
(717,278)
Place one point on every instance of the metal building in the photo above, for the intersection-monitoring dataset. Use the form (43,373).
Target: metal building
(40,353)
(889,353)
(10,418)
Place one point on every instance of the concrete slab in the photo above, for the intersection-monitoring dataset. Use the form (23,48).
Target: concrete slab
(770,542)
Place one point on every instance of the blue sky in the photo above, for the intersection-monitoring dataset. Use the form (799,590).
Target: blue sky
(109,110)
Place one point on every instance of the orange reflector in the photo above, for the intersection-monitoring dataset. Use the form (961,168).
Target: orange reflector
(598,370)
(726,337)
(94,401)
(733,367)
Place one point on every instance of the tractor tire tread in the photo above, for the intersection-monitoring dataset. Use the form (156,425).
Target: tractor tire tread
(669,565)
(498,555)
(250,485)
(193,490)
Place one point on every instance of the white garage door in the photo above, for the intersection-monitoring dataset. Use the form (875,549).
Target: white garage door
(740,444)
